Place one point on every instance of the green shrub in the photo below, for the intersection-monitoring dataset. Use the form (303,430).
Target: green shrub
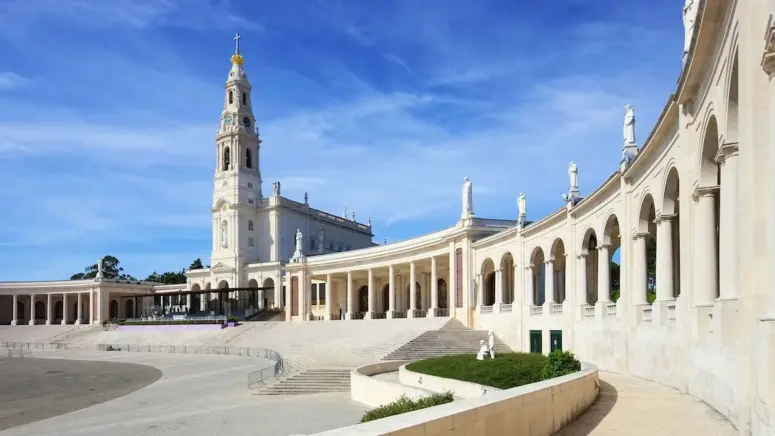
(404,404)
(651,296)
(615,296)
(506,371)
(560,363)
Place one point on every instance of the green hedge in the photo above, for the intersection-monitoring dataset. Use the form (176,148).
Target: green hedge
(560,363)
(404,404)
(173,322)
(506,371)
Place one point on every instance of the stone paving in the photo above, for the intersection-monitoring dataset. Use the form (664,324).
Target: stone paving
(636,407)
(197,394)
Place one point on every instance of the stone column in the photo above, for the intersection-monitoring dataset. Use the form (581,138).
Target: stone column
(728,226)
(412,290)
(91,307)
(531,286)
(329,295)
(604,273)
(32,309)
(391,292)
(79,310)
(479,290)
(548,286)
(665,258)
(350,299)
(434,289)
(516,285)
(49,309)
(64,309)
(15,310)
(370,286)
(768,64)
(639,276)
(452,285)
(498,287)
(581,284)
(705,264)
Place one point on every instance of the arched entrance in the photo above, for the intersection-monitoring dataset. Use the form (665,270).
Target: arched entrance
(363,299)
(488,282)
(129,308)
(537,274)
(113,309)
(590,260)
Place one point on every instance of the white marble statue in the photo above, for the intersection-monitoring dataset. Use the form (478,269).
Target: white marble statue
(522,204)
(224,234)
(573,173)
(629,125)
(353,216)
(276,189)
(491,344)
(345,213)
(100,273)
(690,16)
(299,241)
(468,201)
(484,350)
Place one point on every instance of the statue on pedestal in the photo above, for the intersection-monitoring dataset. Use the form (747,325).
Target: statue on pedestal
(100,274)
(468,202)
(573,173)
(491,344)
(276,189)
(629,125)
(299,241)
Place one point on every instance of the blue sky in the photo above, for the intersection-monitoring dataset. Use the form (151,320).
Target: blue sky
(108,112)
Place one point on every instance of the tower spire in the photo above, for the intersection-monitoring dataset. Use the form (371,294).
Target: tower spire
(236,58)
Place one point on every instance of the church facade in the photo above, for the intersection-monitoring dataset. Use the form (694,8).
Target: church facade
(698,190)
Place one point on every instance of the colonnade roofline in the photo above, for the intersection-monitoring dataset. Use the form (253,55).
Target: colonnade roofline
(703,46)
(71,285)
(377,253)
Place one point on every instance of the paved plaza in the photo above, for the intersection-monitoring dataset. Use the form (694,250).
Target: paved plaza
(196,394)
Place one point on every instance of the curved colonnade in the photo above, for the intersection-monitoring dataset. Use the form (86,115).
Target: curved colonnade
(696,202)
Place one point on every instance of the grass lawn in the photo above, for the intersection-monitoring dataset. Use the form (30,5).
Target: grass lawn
(505,371)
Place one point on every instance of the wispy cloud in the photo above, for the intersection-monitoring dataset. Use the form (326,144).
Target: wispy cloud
(9,80)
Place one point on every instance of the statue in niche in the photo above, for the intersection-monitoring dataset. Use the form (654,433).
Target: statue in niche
(629,125)
(224,234)
(468,202)
(573,173)
(689,16)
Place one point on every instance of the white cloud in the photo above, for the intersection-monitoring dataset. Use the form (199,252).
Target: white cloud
(9,80)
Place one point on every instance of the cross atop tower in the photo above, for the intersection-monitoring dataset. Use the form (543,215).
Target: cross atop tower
(236,41)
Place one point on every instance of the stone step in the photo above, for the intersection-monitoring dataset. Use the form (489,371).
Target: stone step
(452,339)
(311,381)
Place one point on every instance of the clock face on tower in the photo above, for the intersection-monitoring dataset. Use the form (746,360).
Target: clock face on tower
(246,122)
(227,120)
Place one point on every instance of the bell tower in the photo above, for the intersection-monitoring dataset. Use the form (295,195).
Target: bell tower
(237,189)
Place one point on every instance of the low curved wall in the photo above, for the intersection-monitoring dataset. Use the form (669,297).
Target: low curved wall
(365,389)
(459,388)
(536,409)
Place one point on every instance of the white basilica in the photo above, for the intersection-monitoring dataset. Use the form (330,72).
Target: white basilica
(700,184)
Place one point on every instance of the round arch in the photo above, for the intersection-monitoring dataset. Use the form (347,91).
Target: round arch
(113,309)
(195,287)
(129,308)
(537,272)
(731,129)
(223,284)
(507,277)
(363,299)
(558,267)
(207,285)
(488,282)
(252,283)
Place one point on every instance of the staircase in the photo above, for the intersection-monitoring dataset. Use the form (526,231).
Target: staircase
(312,381)
(452,338)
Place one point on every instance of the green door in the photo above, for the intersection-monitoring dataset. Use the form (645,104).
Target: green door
(535,341)
(555,340)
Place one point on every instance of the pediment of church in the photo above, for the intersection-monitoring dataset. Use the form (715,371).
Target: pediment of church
(221,268)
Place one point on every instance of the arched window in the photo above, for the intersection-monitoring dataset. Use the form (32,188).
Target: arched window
(244,98)
(250,226)
(231,97)
(248,158)
(226,158)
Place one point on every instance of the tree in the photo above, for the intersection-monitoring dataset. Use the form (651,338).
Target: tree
(168,278)
(197,264)
(111,269)
(651,269)
(615,281)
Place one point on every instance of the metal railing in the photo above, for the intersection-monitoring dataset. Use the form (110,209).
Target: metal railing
(11,353)
(277,369)
(221,318)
